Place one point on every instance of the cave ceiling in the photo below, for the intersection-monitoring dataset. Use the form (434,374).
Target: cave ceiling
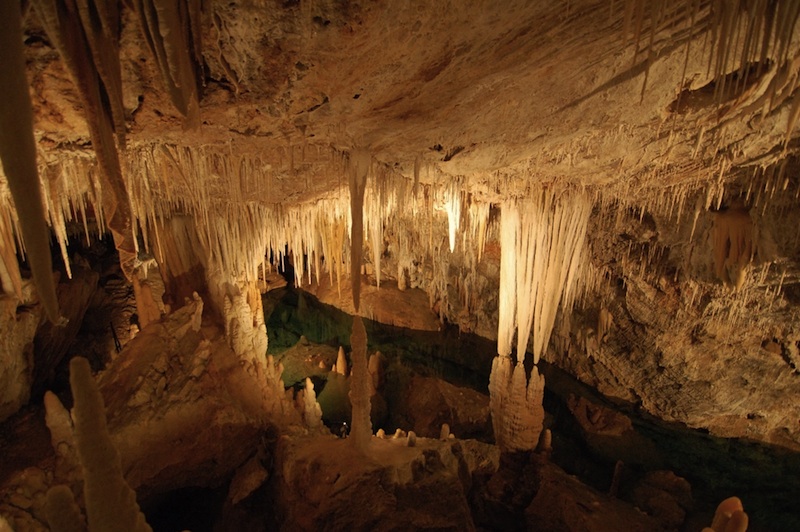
(623,96)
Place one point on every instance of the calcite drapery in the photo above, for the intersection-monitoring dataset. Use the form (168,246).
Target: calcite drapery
(734,245)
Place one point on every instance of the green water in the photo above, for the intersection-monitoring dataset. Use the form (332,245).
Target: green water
(766,478)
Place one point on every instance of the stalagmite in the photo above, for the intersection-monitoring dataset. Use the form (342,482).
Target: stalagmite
(376,372)
(18,154)
(341,363)
(361,431)
(110,503)
(62,439)
(312,413)
(63,514)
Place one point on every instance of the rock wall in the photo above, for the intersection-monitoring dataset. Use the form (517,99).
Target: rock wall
(18,323)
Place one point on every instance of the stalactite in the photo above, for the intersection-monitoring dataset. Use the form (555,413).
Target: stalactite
(507,306)
(360,163)
(478,222)
(64,27)
(172,32)
(18,154)
(361,431)
(10,276)
(101,22)
(452,202)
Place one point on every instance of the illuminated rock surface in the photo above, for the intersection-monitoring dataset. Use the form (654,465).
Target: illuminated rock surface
(609,187)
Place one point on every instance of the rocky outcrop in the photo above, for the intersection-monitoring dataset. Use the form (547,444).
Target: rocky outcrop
(18,323)
(178,394)
(183,410)
(564,503)
(665,496)
(610,434)
(407,308)
(424,487)
(428,403)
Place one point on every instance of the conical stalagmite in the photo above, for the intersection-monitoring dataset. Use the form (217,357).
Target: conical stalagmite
(110,502)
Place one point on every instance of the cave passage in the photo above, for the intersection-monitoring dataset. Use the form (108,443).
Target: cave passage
(715,467)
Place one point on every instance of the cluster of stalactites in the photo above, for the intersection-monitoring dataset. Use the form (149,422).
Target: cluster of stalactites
(742,33)
(71,194)
(238,229)
(542,241)
(542,245)
(86,34)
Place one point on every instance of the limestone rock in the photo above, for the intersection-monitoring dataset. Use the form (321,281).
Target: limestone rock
(664,496)
(394,484)
(431,402)
(23,499)
(563,503)
(19,322)
(306,360)
(177,396)
(387,304)
(248,478)
(611,435)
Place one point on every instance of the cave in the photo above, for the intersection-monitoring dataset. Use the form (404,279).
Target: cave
(350,265)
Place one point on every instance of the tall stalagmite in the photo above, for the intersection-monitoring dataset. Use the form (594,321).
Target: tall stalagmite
(110,502)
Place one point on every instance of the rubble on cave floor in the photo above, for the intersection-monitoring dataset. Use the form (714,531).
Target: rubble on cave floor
(195,392)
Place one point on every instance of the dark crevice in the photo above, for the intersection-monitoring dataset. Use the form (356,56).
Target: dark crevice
(719,90)
(452,153)
(315,107)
